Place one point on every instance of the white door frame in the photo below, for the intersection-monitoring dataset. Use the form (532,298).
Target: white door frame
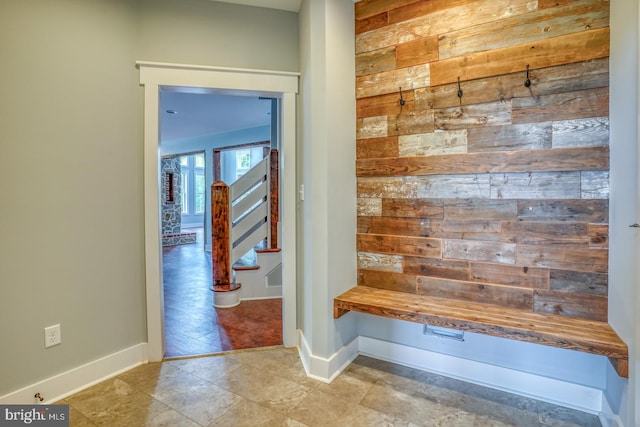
(275,84)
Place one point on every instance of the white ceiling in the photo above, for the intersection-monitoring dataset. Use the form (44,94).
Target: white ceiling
(290,5)
(200,113)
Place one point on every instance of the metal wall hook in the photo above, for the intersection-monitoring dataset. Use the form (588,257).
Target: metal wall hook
(527,82)
(402,102)
(459,90)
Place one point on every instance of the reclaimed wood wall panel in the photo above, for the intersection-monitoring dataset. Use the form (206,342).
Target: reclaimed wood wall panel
(499,195)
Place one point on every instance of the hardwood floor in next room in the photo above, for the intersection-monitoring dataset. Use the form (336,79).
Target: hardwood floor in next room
(193,326)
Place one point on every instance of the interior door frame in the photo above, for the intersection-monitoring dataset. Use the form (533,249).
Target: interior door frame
(230,81)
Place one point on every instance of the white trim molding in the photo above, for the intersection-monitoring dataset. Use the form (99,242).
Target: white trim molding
(74,380)
(563,393)
(326,369)
(155,76)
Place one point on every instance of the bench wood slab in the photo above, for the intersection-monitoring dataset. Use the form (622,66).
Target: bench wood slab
(541,328)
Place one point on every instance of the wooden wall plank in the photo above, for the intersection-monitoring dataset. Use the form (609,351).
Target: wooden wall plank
(501,253)
(386,105)
(399,245)
(421,8)
(560,159)
(561,106)
(436,267)
(593,307)
(413,208)
(546,233)
(566,257)
(544,81)
(376,61)
(416,52)
(371,22)
(377,147)
(510,275)
(478,272)
(528,136)
(366,8)
(442,21)
(544,53)
(433,143)
(528,28)
(594,184)
(371,127)
(470,116)
(387,280)
(506,210)
(505,296)
(383,262)
(411,123)
(593,211)
(453,186)
(581,132)
(390,81)
(598,236)
(578,282)
(416,227)
(536,185)
(369,206)
(401,187)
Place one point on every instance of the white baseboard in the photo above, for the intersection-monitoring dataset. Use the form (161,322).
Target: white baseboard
(607,417)
(326,369)
(563,393)
(67,383)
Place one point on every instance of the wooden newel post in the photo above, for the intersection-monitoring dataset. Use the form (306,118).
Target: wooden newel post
(220,234)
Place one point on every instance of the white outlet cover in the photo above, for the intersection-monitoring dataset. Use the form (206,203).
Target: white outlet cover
(52,336)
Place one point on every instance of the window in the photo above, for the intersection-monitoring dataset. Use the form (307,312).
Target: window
(243,162)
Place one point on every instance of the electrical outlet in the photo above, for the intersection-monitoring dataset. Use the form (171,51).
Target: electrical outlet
(52,336)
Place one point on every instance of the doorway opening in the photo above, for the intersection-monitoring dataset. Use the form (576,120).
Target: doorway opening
(277,85)
(196,323)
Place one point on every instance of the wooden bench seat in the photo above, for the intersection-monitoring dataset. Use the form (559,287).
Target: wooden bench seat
(541,328)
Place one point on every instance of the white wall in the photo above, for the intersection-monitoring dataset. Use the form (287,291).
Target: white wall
(72,246)
(624,296)
(327,159)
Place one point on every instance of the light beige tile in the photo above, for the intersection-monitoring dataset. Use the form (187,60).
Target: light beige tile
(250,414)
(114,402)
(201,403)
(264,388)
(169,418)
(282,362)
(321,409)
(365,417)
(350,386)
(407,405)
(146,377)
(208,368)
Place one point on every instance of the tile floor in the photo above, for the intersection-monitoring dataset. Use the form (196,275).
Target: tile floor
(193,326)
(268,387)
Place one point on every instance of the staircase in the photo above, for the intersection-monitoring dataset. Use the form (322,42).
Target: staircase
(245,227)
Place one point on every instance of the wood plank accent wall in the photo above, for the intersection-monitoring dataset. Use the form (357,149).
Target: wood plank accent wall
(499,196)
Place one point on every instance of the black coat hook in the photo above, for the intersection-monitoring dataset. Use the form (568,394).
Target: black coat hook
(459,90)
(527,82)
(401,98)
